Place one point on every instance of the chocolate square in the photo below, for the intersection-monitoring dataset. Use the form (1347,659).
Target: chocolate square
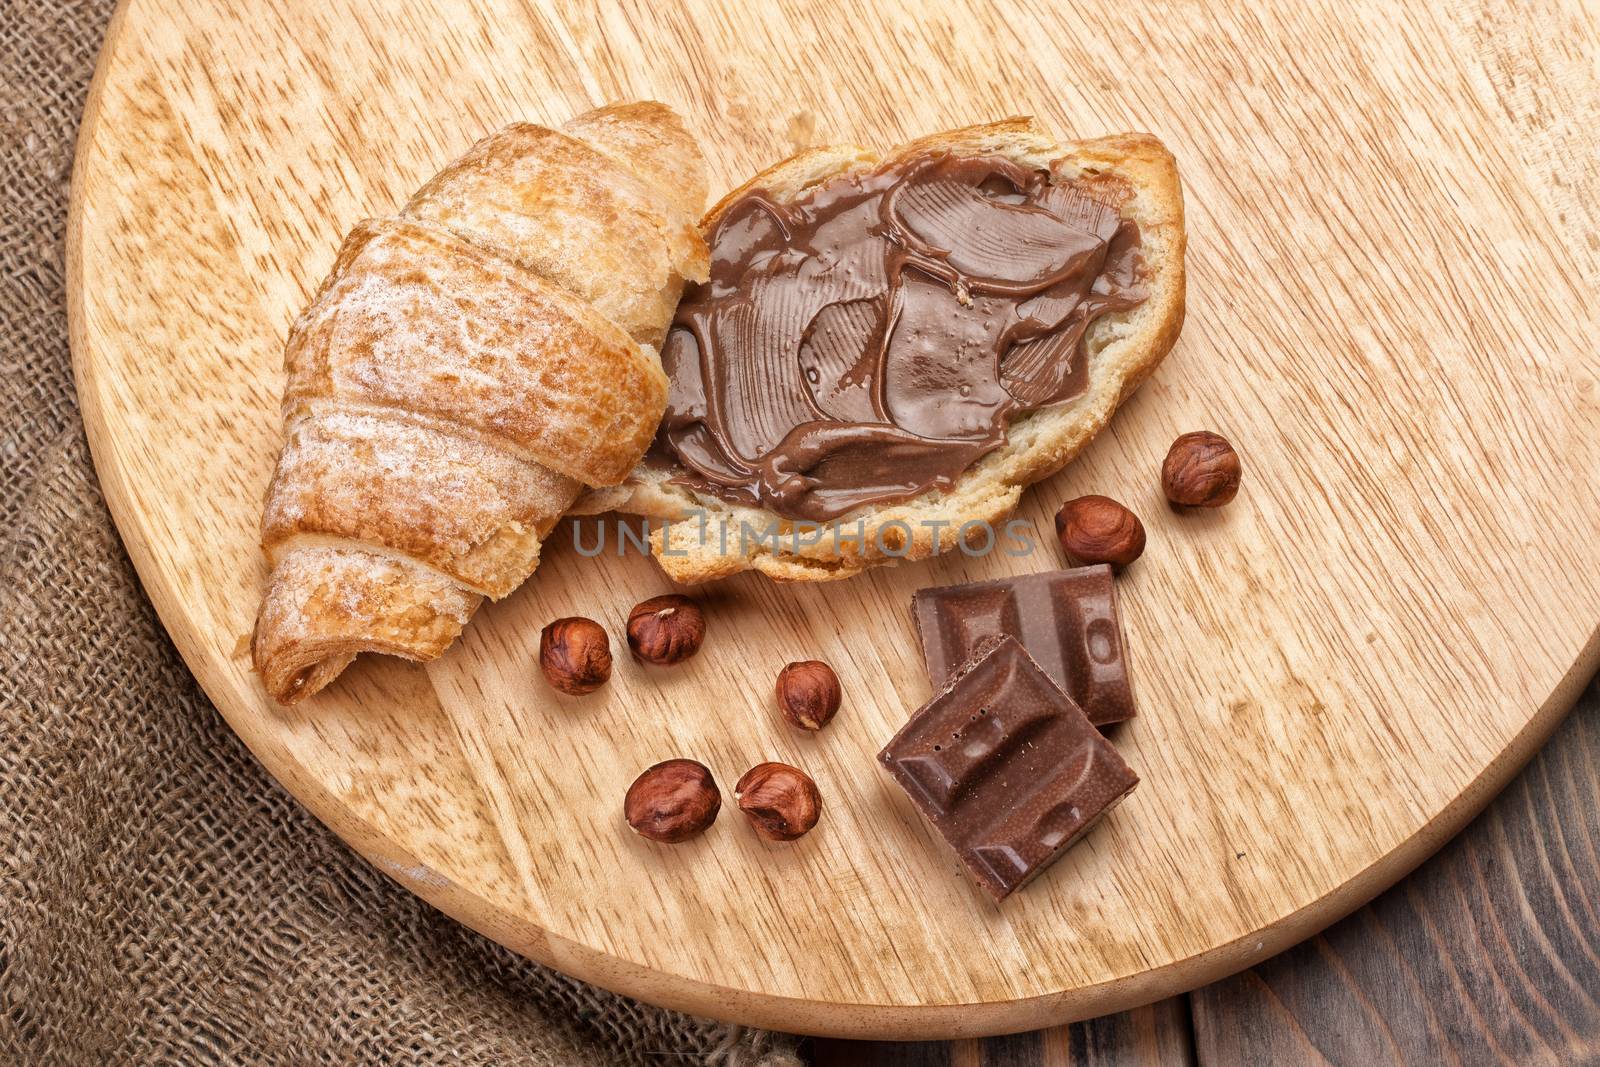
(1067,620)
(1006,767)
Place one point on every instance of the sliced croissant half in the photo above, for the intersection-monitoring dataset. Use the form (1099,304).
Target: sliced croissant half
(1109,181)
(470,366)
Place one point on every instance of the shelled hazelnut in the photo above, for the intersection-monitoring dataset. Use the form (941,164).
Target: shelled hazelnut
(666,629)
(1097,529)
(808,694)
(781,802)
(1201,471)
(575,655)
(672,801)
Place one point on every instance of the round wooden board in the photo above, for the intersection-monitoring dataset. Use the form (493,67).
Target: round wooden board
(1392,312)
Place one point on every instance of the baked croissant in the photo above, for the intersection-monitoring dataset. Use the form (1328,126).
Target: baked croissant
(469,366)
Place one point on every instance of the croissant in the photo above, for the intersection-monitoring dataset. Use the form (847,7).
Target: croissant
(470,366)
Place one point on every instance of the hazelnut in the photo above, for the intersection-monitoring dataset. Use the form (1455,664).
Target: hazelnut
(666,629)
(1097,529)
(1201,471)
(672,801)
(575,655)
(808,694)
(781,801)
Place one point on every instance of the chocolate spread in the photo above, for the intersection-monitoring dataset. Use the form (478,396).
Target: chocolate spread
(872,338)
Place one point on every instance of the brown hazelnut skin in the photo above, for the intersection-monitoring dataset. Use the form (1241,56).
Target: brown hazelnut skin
(808,694)
(575,655)
(672,801)
(1097,529)
(666,629)
(1201,471)
(781,802)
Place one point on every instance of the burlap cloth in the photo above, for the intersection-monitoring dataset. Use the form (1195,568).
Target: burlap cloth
(162,900)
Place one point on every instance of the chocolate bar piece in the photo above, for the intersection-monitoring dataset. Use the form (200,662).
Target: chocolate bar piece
(1067,620)
(1006,767)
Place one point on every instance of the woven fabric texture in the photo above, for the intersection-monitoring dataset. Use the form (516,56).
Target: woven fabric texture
(162,900)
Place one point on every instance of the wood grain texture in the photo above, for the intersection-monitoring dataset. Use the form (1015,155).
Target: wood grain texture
(1392,313)
(1155,1035)
(1490,954)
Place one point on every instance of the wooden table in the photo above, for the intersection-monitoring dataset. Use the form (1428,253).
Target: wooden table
(1488,954)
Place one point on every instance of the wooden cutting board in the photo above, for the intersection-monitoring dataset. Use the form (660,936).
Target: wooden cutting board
(1392,312)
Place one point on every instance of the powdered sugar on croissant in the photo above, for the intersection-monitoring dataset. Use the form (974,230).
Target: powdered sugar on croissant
(469,366)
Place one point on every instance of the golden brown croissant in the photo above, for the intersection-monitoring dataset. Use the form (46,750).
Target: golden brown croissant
(467,368)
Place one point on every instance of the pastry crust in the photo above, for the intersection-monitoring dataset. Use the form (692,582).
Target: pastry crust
(466,370)
(564,209)
(420,322)
(703,541)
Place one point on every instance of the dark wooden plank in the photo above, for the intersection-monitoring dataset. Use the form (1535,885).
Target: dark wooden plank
(829,1053)
(1013,1050)
(1488,954)
(1157,1035)
(1153,1036)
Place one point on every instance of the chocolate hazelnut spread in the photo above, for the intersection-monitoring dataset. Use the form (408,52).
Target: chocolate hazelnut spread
(873,337)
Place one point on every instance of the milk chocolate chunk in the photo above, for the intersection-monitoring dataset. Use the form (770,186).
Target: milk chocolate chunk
(1007,768)
(1067,620)
(872,337)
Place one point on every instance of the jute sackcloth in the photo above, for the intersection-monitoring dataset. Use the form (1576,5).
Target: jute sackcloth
(162,900)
